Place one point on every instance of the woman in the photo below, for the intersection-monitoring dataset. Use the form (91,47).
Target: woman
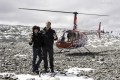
(36,41)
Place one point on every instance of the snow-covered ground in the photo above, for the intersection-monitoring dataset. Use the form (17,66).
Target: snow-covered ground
(71,74)
(18,56)
(107,40)
(19,33)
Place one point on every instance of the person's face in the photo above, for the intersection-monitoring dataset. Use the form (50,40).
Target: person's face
(36,31)
(48,25)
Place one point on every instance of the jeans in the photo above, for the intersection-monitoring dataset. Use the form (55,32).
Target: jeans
(37,52)
(48,51)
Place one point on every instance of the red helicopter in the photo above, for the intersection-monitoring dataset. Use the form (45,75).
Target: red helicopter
(72,39)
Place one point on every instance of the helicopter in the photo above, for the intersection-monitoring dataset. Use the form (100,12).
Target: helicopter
(72,39)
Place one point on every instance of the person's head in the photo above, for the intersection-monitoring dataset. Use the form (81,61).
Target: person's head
(48,24)
(36,29)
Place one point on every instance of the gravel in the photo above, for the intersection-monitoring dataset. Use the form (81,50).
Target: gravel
(104,58)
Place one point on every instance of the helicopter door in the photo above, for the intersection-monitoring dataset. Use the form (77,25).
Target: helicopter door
(76,36)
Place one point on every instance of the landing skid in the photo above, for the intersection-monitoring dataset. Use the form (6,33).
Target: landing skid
(84,48)
(68,50)
(87,49)
(63,50)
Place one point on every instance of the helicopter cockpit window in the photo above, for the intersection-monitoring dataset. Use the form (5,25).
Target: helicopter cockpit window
(69,36)
(73,36)
(62,38)
(65,37)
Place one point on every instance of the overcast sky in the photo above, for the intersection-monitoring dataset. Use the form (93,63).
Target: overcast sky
(10,14)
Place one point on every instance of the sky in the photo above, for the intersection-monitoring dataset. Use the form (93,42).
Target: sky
(10,14)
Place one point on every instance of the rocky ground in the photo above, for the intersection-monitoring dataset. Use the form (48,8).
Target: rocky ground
(103,55)
(17,57)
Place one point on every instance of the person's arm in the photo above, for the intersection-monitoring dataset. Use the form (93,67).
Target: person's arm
(31,39)
(55,36)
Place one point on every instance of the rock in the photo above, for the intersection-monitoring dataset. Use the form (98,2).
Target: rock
(63,72)
(9,77)
(101,59)
(54,78)
(31,79)
(109,58)
(11,43)
(1,76)
(93,60)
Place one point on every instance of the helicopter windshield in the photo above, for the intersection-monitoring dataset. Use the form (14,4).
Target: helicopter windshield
(69,36)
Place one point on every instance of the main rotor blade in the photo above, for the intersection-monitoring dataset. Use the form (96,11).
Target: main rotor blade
(45,10)
(93,14)
(61,11)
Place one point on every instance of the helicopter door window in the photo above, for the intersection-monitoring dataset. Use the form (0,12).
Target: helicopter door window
(62,38)
(69,36)
(66,37)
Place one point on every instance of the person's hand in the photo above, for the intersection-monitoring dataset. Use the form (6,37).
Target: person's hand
(30,43)
(55,36)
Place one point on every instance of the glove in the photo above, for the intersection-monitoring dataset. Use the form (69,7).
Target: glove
(30,43)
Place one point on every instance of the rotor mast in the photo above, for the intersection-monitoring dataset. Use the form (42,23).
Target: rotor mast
(75,21)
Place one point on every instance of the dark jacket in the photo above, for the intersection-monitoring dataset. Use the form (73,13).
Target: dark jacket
(48,37)
(37,40)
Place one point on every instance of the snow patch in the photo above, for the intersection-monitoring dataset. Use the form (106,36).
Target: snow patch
(21,56)
(58,76)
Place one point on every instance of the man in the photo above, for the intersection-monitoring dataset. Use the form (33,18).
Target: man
(36,40)
(49,37)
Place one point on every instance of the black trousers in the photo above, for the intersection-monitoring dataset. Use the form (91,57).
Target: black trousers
(36,53)
(48,51)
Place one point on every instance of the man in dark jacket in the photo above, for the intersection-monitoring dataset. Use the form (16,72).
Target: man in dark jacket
(36,40)
(49,37)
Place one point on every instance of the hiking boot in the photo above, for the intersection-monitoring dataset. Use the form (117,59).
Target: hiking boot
(37,72)
(52,71)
